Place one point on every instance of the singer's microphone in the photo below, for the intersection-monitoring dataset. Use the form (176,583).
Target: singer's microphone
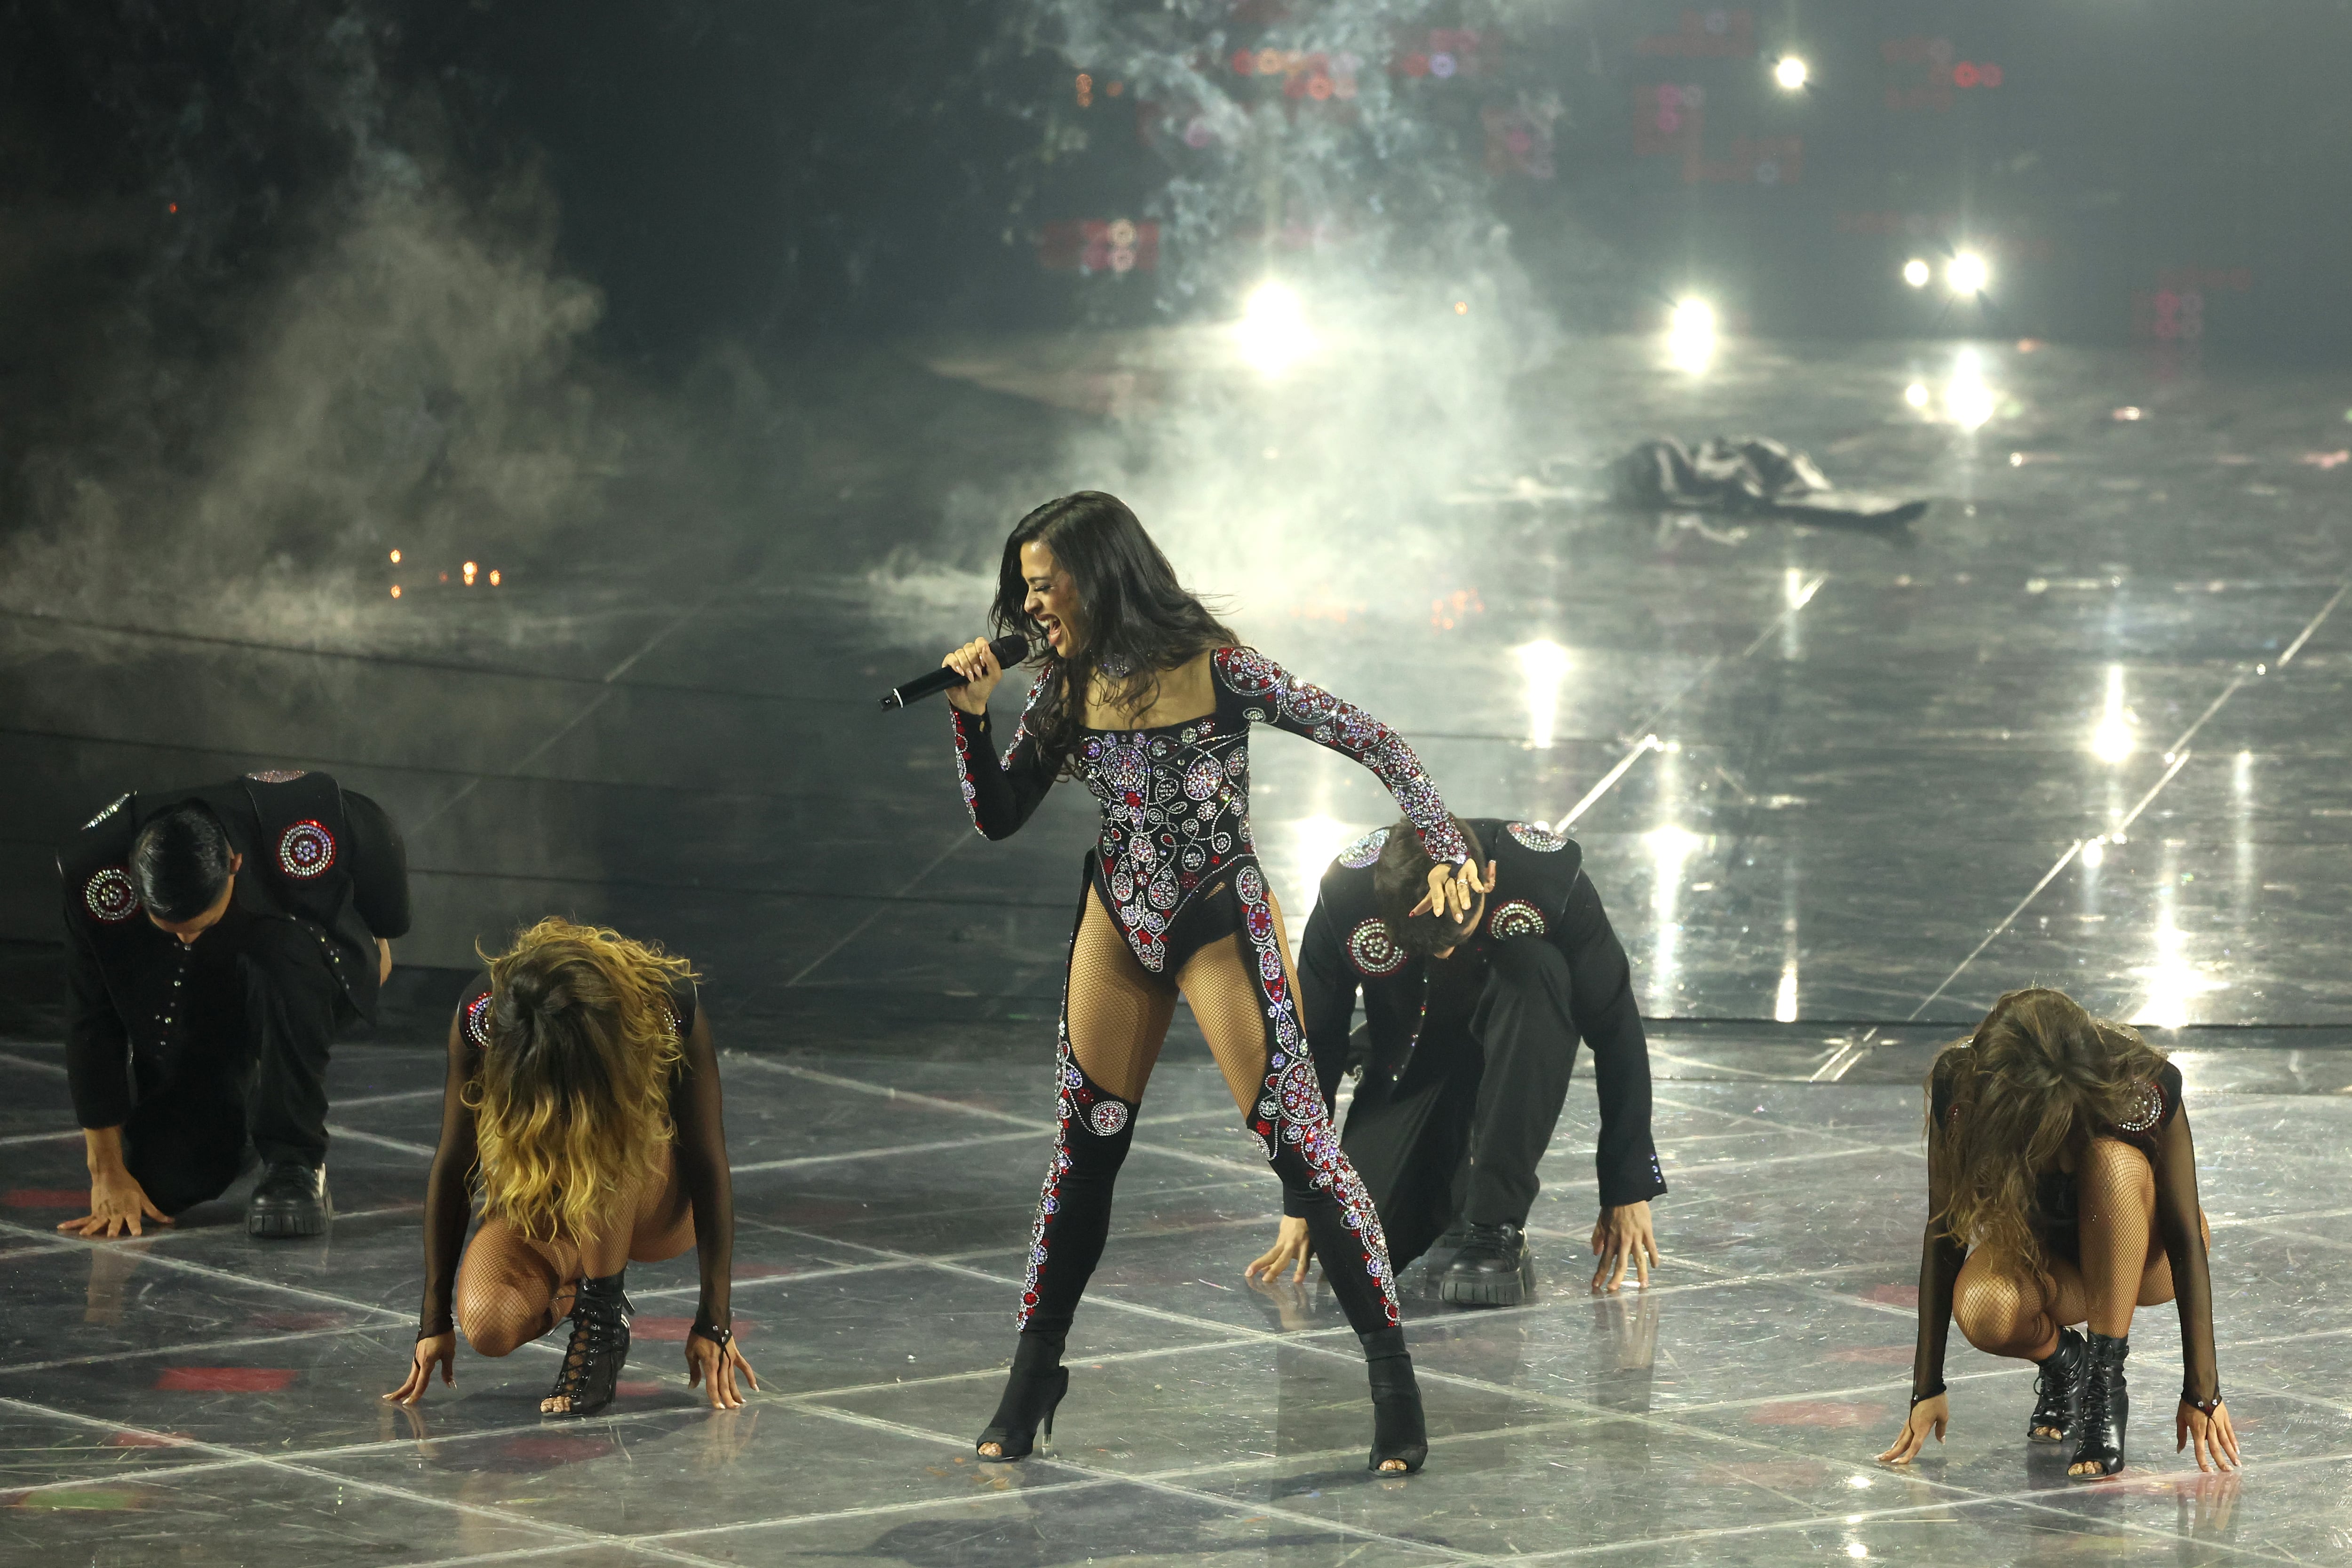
(1009,649)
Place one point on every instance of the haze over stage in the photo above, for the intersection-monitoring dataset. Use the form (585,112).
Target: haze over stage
(1874,756)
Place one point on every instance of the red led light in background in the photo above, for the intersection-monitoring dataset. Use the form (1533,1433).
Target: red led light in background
(396,591)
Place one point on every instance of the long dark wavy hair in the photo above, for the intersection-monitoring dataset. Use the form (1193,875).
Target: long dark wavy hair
(2038,1073)
(1138,621)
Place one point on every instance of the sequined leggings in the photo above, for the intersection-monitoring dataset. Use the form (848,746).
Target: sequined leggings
(1114,1018)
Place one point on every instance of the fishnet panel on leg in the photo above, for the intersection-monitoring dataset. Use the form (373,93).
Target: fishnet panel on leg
(2003,1312)
(1221,988)
(512,1289)
(1118,1011)
(2115,1195)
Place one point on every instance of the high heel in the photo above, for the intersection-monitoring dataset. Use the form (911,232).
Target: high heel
(601,1310)
(2106,1408)
(2058,1391)
(1032,1394)
(1399,1432)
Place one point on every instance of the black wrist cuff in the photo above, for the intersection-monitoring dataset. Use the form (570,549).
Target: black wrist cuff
(1930,1394)
(428,1332)
(2207,1406)
(722,1337)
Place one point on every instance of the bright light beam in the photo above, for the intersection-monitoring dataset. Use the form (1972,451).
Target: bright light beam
(1543,665)
(1966,273)
(1791,73)
(1916,273)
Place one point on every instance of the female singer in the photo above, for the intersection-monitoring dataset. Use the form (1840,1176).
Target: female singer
(584,1091)
(1146,698)
(2058,1149)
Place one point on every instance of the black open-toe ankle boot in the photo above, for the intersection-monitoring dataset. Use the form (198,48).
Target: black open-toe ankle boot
(601,1310)
(1031,1396)
(2058,1392)
(2105,1407)
(1398,1433)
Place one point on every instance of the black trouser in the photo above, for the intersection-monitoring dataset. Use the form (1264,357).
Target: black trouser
(1487,1102)
(259,1079)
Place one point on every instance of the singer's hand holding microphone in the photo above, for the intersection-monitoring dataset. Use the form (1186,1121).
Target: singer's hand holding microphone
(976,661)
(966,676)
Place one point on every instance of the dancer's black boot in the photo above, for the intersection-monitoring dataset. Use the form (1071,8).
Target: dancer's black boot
(2058,1392)
(2105,1407)
(1031,1395)
(1400,1436)
(600,1345)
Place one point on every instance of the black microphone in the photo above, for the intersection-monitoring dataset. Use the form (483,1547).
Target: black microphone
(1009,649)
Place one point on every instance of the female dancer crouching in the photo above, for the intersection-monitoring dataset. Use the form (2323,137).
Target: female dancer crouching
(2057,1146)
(1147,699)
(584,1091)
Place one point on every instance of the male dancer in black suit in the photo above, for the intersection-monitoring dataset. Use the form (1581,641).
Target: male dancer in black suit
(1471,1030)
(218,938)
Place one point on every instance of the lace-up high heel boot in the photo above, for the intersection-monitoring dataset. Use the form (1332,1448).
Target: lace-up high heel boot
(601,1310)
(2058,1391)
(1398,1433)
(1031,1396)
(2105,1407)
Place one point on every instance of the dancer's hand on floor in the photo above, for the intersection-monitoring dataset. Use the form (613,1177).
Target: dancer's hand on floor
(117,1206)
(2212,1434)
(439,1349)
(976,661)
(1929,1416)
(1620,1235)
(1291,1249)
(712,1368)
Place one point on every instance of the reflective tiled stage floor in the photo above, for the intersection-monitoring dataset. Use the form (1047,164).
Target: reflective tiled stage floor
(2082,724)
(202,1398)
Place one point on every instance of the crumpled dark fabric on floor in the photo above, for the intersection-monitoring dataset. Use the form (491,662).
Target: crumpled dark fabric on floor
(1753,474)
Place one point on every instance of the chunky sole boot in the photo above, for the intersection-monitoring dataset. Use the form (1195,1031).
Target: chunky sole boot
(2106,1407)
(291,1200)
(1494,1268)
(2058,1391)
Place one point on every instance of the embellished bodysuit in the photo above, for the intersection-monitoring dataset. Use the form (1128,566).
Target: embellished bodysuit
(1176,870)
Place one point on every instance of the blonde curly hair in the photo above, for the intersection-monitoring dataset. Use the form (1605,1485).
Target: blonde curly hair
(570,1098)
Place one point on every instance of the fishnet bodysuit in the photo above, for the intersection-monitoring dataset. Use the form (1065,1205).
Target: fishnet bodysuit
(2116,1232)
(510,1288)
(1174,890)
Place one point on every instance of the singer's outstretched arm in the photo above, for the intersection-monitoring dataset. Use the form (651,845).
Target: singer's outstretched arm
(1312,712)
(1000,795)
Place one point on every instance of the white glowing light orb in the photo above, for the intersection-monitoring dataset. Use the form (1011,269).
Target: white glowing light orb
(1916,273)
(1968,401)
(1791,73)
(1915,395)
(2095,853)
(1272,334)
(1784,1002)
(1966,273)
(1691,335)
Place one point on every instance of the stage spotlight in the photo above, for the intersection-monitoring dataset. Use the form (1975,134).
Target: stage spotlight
(1273,332)
(1916,273)
(1966,273)
(1915,395)
(1691,335)
(1968,401)
(1791,73)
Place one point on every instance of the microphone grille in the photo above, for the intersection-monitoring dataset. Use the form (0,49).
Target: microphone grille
(1009,649)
